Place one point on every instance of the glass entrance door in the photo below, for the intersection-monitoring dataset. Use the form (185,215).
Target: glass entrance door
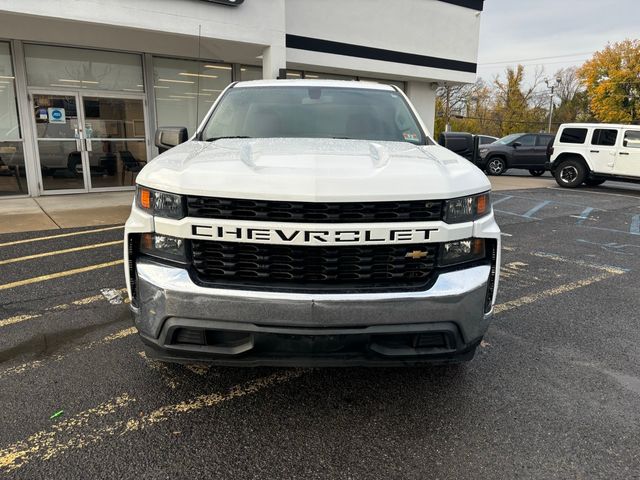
(60,147)
(89,142)
(115,140)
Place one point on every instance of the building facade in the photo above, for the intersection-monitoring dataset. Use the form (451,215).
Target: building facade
(85,83)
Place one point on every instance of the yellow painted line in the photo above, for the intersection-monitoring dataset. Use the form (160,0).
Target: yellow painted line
(46,443)
(566,288)
(77,432)
(198,368)
(117,336)
(60,252)
(66,273)
(28,366)
(18,318)
(165,372)
(512,269)
(609,272)
(80,302)
(61,235)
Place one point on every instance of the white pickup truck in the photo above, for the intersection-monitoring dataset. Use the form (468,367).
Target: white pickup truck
(311,223)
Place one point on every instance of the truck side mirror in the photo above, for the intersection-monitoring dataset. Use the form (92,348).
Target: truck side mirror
(169,137)
(516,144)
(625,143)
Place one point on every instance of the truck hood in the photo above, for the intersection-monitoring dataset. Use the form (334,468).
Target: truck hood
(313,170)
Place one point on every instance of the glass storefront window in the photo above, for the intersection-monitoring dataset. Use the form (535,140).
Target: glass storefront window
(186,89)
(77,68)
(327,76)
(295,74)
(397,83)
(248,72)
(13,179)
(12,172)
(9,126)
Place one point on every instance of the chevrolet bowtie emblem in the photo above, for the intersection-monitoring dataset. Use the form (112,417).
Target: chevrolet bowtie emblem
(416,254)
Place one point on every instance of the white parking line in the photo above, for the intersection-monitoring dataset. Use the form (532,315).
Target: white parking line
(515,214)
(536,209)
(568,190)
(503,199)
(584,215)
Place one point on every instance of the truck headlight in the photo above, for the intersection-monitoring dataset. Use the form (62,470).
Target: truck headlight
(467,209)
(160,204)
(483,152)
(163,246)
(463,251)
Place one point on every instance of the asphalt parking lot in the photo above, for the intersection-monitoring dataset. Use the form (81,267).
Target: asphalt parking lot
(554,392)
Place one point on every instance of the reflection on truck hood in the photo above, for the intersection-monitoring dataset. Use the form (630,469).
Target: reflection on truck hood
(313,170)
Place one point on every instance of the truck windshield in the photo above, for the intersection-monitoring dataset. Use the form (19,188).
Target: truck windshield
(313,112)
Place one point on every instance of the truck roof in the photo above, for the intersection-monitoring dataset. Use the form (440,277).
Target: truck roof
(315,83)
(599,125)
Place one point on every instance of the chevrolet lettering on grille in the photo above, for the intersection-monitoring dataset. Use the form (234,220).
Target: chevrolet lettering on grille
(299,236)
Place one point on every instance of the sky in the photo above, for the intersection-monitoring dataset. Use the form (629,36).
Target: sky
(551,33)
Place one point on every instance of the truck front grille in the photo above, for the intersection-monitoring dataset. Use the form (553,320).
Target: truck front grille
(311,212)
(294,268)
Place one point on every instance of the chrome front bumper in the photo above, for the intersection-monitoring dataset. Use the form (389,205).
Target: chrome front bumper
(169,299)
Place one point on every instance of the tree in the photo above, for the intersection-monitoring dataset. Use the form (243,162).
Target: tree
(461,106)
(574,103)
(519,108)
(612,80)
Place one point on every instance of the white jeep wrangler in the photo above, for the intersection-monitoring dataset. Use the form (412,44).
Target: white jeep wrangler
(593,153)
(311,223)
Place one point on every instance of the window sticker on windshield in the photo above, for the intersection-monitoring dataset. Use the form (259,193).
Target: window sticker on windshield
(410,136)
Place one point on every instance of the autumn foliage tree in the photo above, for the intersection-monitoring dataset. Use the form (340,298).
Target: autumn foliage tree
(612,81)
(606,89)
(518,108)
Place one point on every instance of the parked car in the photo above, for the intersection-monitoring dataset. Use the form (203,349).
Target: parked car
(518,150)
(311,222)
(593,153)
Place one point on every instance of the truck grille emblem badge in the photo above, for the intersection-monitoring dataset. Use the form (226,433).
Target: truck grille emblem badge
(416,254)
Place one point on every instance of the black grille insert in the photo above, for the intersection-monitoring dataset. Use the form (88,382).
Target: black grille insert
(321,212)
(291,268)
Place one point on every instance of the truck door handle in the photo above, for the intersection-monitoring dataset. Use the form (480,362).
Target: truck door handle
(594,151)
(624,153)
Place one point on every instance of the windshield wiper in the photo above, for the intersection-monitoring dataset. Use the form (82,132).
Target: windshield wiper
(213,139)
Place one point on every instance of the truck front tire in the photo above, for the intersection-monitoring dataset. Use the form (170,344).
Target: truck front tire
(571,173)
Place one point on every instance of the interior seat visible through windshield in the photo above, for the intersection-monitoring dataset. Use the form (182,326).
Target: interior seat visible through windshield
(314,112)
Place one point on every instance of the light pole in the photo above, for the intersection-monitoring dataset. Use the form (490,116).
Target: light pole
(445,91)
(551,85)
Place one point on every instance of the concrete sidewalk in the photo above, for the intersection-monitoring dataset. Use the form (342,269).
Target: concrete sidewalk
(90,209)
(521,182)
(64,211)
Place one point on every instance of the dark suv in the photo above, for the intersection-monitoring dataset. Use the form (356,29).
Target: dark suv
(518,150)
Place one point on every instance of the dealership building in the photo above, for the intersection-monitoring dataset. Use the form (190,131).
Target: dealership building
(85,83)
